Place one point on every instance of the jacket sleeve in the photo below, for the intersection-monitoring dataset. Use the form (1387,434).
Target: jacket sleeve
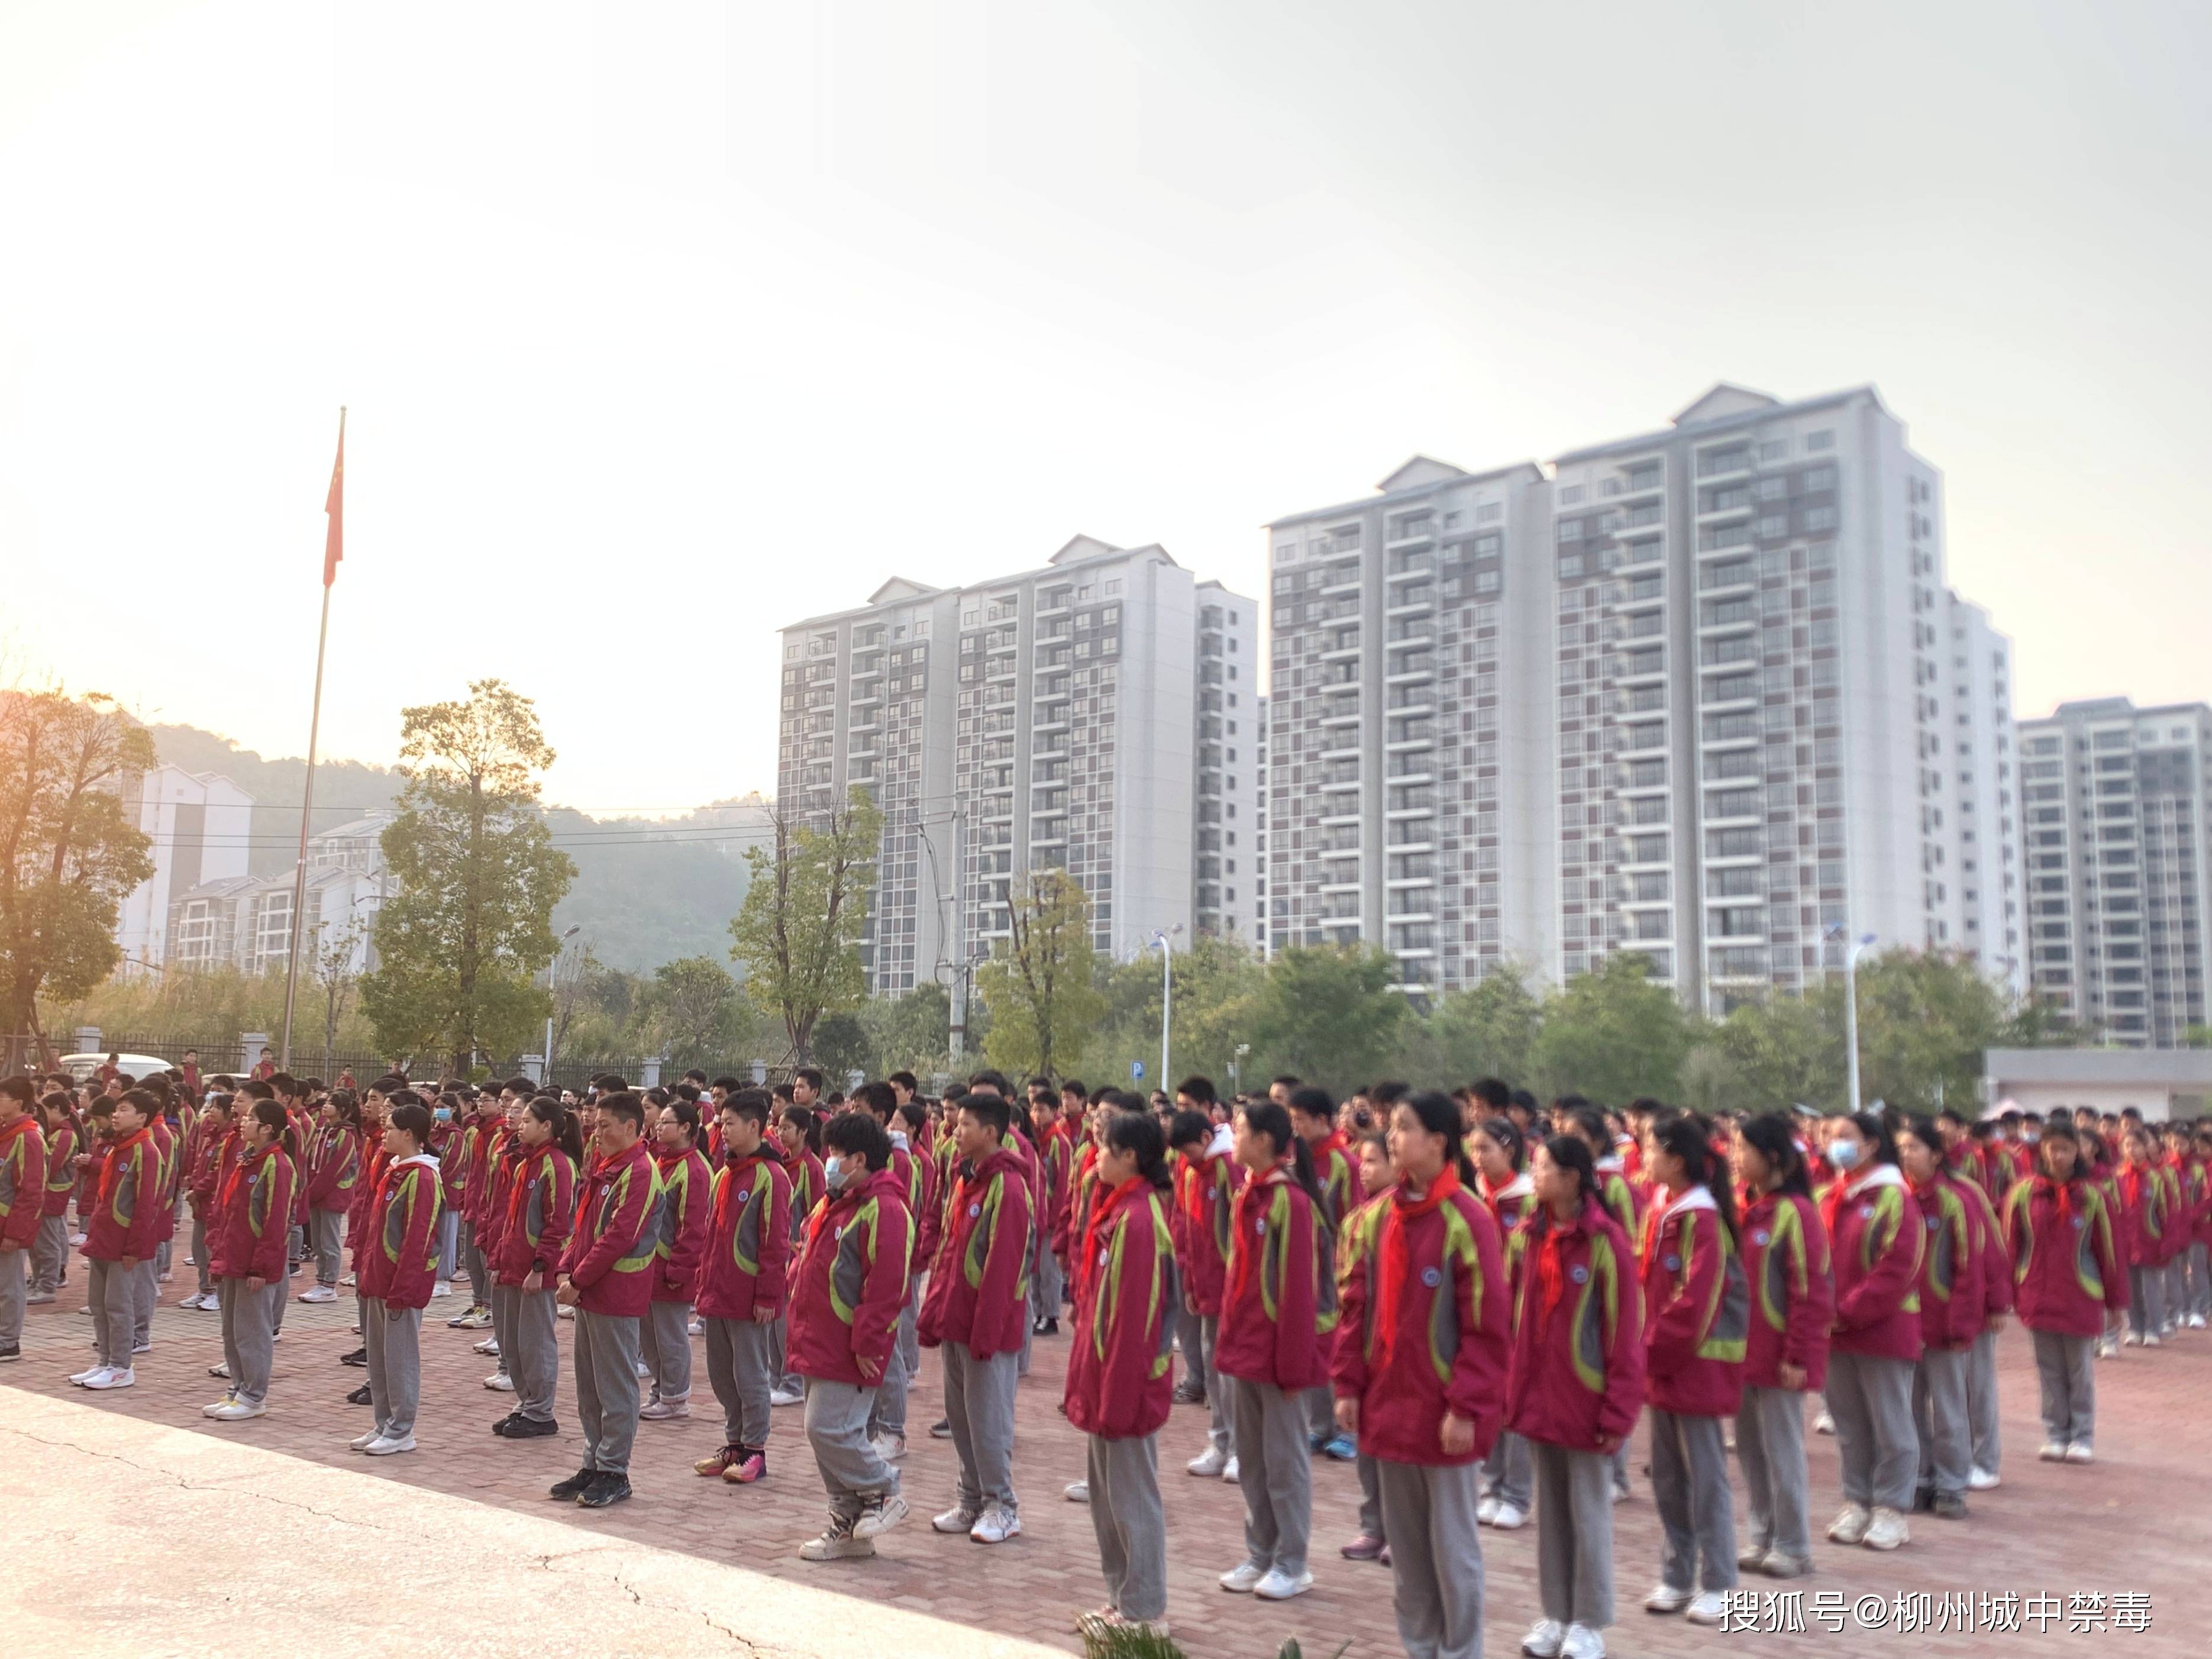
(1680,1295)
(28,1210)
(1133,1337)
(772,1284)
(410,1275)
(2111,1262)
(559,1202)
(882,1292)
(1812,1289)
(269,1244)
(930,1224)
(1895,1269)
(1476,1387)
(1002,1297)
(690,1249)
(1347,1357)
(322,1168)
(1625,1371)
(1995,1267)
(619,1239)
(1299,1359)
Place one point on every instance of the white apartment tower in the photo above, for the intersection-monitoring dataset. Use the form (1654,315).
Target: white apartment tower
(1701,691)
(2116,809)
(201,825)
(1100,714)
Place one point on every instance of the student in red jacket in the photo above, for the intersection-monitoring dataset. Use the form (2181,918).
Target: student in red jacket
(2144,1220)
(210,1146)
(394,1281)
(22,1203)
(65,1141)
(121,1231)
(1270,1344)
(1876,1237)
(547,1150)
(1420,1368)
(1696,1312)
(333,1170)
(686,1198)
(1793,1301)
(1952,1260)
(1119,1383)
(799,1130)
(1500,1156)
(1376,1178)
(846,1288)
(742,1283)
(607,1278)
(249,1229)
(1207,1179)
(2067,1280)
(1055,1169)
(1574,1387)
(975,1309)
(1336,1172)
(2200,1247)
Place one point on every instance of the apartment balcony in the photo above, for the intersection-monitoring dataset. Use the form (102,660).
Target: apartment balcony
(1654,485)
(1414,665)
(1341,653)
(1351,584)
(1341,717)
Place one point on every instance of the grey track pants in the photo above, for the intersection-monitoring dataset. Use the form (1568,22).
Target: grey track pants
(1221,1391)
(837,1429)
(249,1330)
(1132,1526)
(447,1261)
(1370,1500)
(200,1262)
(1197,1372)
(1574,1534)
(890,1416)
(606,1389)
(1436,1557)
(2145,1300)
(326,1237)
(1870,1398)
(145,1291)
(1982,1402)
(1505,1472)
(1769,1446)
(979,1403)
(478,1270)
(1690,1488)
(113,1308)
(664,1339)
(14,1286)
(2067,1377)
(1939,1422)
(529,1349)
(740,1369)
(50,1255)
(1275,1474)
(393,1337)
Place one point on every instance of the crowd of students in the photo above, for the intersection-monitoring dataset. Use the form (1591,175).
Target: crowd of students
(1472,1297)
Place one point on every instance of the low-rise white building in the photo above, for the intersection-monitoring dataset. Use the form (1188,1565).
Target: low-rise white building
(201,825)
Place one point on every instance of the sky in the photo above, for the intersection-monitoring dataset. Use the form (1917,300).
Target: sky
(660,327)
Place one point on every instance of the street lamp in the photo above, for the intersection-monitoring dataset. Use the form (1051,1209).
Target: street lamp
(1236,1068)
(552,988)
(1164,938)
(1851,1007)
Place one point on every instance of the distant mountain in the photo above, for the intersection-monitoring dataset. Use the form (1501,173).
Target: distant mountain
(647,890)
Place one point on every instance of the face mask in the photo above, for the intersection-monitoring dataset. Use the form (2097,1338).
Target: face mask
(1845,1154)
(444,1114)
(2032,1136)
(833,1172)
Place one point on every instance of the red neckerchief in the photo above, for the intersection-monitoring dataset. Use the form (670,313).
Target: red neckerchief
(739,1165)
(1100,1215)
(1551,1261)
(1655,1224)
(526,1169)
(115,1148)
(1243,1249)
(1396,1267)
(1202,1176)
(259,1156)
(1334,1141)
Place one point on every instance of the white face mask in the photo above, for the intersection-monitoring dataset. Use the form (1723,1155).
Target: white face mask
(833,1172)
(1845,1154)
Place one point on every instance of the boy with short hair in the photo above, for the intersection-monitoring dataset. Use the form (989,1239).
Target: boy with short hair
(742,1284)
(679,1246)
(121,1232)
(607,1279)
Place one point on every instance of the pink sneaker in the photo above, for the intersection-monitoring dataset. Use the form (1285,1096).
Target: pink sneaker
(747,1469)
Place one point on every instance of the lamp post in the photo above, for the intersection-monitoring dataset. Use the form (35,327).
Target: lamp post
(1851,1010)
(1236,1068)
(1164,938)
(552,988)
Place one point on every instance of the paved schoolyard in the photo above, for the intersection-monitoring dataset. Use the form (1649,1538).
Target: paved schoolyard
(2137,1523)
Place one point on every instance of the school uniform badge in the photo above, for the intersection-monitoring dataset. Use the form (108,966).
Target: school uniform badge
(1579,1273)
(1431,1278)
(1674,1262)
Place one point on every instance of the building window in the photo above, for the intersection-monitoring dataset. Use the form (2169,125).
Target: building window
(1819,441)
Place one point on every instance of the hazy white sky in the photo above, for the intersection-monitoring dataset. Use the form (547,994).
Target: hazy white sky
(662,325)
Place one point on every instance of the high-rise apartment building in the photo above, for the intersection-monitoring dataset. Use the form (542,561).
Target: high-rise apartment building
(1102,714)
(2116,808)
(1689,693)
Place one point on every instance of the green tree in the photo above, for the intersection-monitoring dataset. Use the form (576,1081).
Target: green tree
(1785,1051)
(912,1033)
(1039,984)
(1611,1034)
(1328,1013)
(68,855)
(694,1010)
(842,1046)
(1489,1030)
(798,933)
(1925,1018)
(460,943)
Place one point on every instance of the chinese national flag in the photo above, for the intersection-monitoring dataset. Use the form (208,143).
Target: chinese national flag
(334,543)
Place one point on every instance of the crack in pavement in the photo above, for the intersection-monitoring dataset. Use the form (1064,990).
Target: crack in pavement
(191,1486)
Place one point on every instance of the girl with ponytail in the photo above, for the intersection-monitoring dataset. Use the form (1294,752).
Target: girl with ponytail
(539,1198)
(247,1232)
(1697,1307)
(1499,1153)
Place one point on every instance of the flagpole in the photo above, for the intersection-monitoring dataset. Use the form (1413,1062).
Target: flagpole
(306,809)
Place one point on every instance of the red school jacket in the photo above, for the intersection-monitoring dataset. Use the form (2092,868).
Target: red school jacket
(168,1146)
(1425,1322)
(748,1255)
(1793,1290)
(2142,1215)
(1577,1373)
(1993,1268)
(541,1208)
(849,1281)
(917,1175)
(1875,1239)
(979,1285)
(1271,1311)
(2068,1271)
(125,1220)
(1697,1307)
(333,1166)
(22,1179)
(61,1173)
(610,1254)
(402,1231)
(1951,1262)
(1206,1207)
(252,1215)
(679,1244)
(1074,1215)
(1121,1380)
(1337,1174)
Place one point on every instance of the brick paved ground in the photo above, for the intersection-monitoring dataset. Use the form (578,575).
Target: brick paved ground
(2139,1520)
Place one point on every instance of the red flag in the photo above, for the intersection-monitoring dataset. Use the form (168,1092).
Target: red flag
(334,543)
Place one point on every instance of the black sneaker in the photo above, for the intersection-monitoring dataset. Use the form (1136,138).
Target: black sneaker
(359,1396)
(1051,1325)
(10,1351)
(358,1356)
(507,1422)
(941,1429)
(605,1489)
(520,1427)
(1948,1506)
(575,1483)
(1187,1394)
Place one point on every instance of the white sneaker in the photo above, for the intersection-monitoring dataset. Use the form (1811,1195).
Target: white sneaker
(2131,1340)
(1279,1586)
(890,1447)
(875,1521)
(1581,1643)
(386,1446)
(501,1383)
(1077,1492)
(1983,1480)
(85,1376)
(1208,1463)
(696,1328)
(1851,1525)
(319,1293)
(360,1442)
(2197,1322)
(1509,1519)
(142,1347)
(121,1376)
(1545,1639)
(238,1411)
(1229,1472)
(1710,1609)
(644,1371)
(191,1301)
(2054,1451)
(995,1525)
(564,1311)
(785,1397)
(210,1411)
(1241,1579)
(489,1345)
(1887,1530)
(1665,1598)
(661,1411)
(954,1520)
(211,1303)
(1485,1513)
(2152,1340)
(2079,1452)
(1824,1424)
(442,1287)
